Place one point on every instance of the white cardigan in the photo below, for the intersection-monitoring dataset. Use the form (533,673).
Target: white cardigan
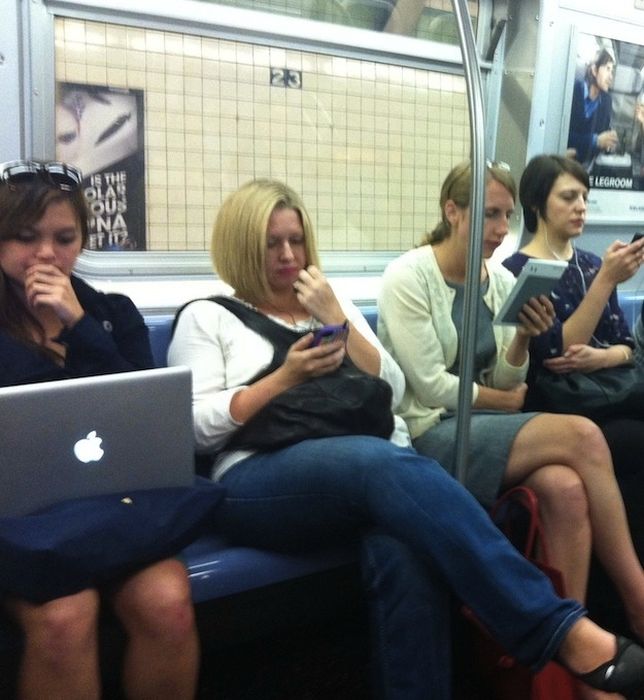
(415,326)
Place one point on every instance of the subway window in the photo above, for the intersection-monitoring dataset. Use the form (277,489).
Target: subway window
(164,124)
(425,19)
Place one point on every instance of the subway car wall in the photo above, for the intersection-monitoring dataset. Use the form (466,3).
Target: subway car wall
(362,110)
(360,105)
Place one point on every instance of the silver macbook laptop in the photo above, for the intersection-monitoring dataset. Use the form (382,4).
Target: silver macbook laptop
(84,437)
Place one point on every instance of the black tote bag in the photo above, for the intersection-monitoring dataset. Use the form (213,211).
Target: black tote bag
(614,392)
(345,402)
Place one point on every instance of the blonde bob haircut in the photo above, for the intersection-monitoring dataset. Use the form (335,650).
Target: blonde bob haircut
(238,246)
(457,186)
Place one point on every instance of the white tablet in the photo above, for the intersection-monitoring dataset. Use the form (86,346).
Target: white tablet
(537,277)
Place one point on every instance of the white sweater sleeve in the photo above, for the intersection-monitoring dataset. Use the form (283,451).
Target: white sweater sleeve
(223,355)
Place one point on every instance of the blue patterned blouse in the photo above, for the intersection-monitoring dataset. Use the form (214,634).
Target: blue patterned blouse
(612,328)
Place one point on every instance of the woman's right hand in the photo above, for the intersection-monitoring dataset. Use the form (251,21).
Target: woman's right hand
(304,362)
(621,261)
(47,287)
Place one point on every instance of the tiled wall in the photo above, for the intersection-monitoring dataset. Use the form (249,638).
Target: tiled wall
(367,144)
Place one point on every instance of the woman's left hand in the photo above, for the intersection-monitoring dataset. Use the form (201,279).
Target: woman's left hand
(47,287)
(537,316)
(577,358)
(316,295)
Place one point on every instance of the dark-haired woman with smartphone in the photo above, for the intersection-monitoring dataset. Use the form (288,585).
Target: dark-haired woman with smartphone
(589,332)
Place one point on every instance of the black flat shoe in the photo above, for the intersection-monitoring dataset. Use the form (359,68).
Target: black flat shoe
(624,673)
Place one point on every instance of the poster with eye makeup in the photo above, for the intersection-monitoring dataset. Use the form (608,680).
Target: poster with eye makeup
(100,130)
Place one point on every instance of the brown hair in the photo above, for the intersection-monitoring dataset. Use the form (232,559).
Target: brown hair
(457,187)
(21,206)
(537,180)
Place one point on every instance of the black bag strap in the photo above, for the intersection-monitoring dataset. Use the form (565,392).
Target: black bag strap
(280,337)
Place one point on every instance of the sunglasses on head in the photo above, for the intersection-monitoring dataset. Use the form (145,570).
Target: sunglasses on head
(499,164)
(64,177)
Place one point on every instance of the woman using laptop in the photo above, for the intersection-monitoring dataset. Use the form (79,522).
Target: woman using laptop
(54,326)
(423,535)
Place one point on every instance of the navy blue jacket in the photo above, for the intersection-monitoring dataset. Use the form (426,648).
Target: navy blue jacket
(111,337)
(582,129)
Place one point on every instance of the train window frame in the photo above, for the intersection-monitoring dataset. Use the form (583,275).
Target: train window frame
(195,17)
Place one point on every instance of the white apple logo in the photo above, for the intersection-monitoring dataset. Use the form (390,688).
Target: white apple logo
(89,449)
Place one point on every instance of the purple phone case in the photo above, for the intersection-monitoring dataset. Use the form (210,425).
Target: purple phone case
(327,334)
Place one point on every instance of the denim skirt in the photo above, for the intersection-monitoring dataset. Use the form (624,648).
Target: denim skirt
(492,435)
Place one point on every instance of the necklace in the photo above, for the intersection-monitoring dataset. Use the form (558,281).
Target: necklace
(280,313)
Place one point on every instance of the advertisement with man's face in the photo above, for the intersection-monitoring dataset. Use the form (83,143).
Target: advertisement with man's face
(606,126)
(100,131)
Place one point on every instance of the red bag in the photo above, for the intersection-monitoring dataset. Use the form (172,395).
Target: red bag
(517,514)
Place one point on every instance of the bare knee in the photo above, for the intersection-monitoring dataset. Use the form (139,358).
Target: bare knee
(61,629)
(562,496)
(169,612)
(586,438)
(158,603)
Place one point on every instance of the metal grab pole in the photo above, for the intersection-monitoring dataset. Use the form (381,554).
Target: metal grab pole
(477,203)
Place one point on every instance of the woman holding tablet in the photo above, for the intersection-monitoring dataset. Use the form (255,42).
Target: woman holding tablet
(589,330)
(563,458)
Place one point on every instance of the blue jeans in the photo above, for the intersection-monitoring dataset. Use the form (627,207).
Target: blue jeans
(408,661)
(323,491)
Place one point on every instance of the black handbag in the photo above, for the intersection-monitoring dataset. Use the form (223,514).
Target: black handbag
(614,392)
(86,542)
(345,402)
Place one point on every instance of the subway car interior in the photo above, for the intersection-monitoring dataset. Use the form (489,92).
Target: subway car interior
(362,107)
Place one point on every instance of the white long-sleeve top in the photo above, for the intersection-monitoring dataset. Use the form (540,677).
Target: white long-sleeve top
(224,354)
(415,325)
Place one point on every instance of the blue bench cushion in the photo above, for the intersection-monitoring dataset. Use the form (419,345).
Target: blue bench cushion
(159,328)
(631,303)
(217,569)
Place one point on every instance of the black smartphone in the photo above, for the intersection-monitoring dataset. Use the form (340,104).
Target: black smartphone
(637,236)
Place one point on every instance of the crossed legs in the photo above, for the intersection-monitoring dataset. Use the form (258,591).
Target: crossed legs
(567,461)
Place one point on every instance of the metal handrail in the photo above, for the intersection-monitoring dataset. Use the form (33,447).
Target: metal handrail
(477,202)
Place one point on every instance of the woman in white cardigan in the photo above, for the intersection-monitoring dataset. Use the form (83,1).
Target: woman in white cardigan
(563,458)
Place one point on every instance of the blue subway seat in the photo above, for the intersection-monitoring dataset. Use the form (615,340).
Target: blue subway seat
(216,568)
(631,303)
(159,328)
